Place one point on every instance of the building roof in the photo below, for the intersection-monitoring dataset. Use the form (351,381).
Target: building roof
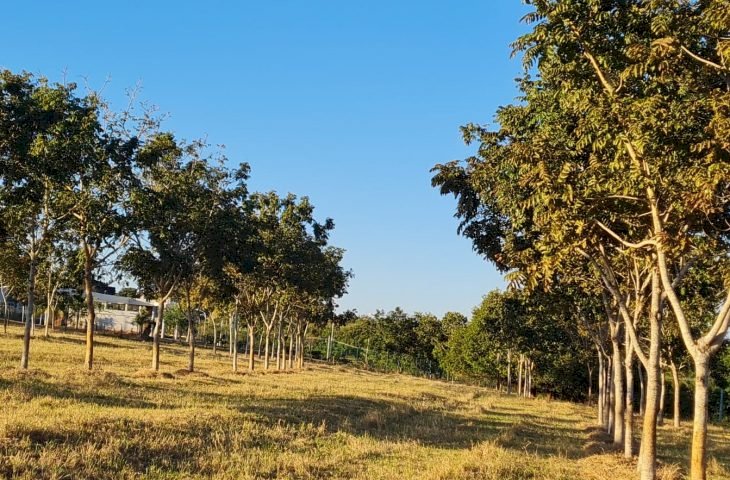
(103,297)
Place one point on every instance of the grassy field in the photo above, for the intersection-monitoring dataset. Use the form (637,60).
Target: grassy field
(119,421)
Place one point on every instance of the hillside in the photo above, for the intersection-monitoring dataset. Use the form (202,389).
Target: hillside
(119,421)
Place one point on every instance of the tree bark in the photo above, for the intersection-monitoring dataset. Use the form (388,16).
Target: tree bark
(642,390)
(230,336)
(28,318)
(662,397)
(5,294)
(156,335)
(234,341)
(301,342)
(618,391)
(647,462)
(629,413)
(279,366)
(191,345)
(677,391)
(191,333)
(215,336)
(49,301)
(601,390)
(699,428)
(610,398)
(90,309)
(267,335)
(251,341)
(509,372)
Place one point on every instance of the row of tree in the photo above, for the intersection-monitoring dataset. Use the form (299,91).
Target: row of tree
(86,191)
(611,178)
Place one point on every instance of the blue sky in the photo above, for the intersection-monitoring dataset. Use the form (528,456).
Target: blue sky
(350,103)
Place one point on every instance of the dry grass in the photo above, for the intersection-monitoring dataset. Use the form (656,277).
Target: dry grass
(121,421)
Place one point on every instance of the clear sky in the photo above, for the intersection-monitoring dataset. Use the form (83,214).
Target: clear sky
(350,103)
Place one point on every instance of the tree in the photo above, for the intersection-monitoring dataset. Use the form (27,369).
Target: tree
(620,148)
(166,207)
(102,180)
(42,129)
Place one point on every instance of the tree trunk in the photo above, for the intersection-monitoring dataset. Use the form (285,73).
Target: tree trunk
(90,309)
(191,345)
(677,388)
(251,341)
(509,372)
(156,335)
(642,390)
(267,335)
(230,336)
(301,342)
(519,375)
(215,337)
(279,348)
(629,413)
(647,461)
(291,349)
(610,398)
(191,333)
(607,389)
(297,347)
(49,302)
(234,341)
(28,318)
(698,469)
(5,293)
(662,397)
(618,392)
(601,389)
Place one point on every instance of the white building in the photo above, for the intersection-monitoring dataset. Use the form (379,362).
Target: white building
(118,314)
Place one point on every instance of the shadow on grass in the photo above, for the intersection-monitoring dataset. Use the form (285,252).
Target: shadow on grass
(674,444)
(426,419)
(34,384)
(99,341)
(382,419)
(442,428)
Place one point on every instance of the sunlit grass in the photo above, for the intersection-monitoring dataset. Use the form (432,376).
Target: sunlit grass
(119,421)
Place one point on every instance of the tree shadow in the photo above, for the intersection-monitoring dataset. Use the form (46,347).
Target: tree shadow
(441,428)
(29,387)
(98,342)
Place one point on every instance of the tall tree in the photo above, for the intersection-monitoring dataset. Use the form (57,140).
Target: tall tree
(43,128)
(621,144)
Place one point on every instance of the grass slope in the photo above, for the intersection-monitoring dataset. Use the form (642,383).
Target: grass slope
(119,421)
